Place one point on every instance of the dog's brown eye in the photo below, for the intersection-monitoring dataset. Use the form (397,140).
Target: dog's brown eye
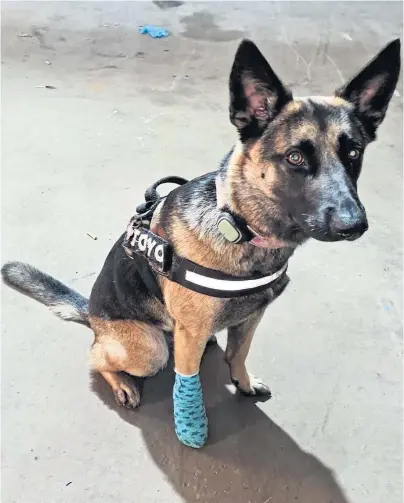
(295,158)
(354,154)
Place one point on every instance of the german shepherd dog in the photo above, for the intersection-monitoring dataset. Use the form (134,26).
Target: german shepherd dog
(291,176)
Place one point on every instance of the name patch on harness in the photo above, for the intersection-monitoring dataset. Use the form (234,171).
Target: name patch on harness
(145,243)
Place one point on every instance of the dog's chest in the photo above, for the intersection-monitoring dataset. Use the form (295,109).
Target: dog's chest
(235,311)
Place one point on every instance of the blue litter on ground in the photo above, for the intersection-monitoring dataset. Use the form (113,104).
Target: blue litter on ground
(153,31)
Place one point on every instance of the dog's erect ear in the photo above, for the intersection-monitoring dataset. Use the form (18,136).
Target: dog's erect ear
(372,88)
(256,93)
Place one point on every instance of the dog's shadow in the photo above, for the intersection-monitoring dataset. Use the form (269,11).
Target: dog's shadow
(248,458)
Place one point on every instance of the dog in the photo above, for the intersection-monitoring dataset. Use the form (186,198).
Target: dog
(291,176)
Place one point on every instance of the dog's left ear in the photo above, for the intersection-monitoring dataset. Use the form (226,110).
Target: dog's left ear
(256,93)
(372,88)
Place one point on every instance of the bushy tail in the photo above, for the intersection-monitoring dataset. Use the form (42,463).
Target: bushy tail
(61,300)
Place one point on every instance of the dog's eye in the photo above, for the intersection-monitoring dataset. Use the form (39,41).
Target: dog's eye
(295,158)
(354,154)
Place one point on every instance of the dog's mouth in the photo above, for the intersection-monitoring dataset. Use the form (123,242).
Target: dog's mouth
(329,236)
(323,231)
(300,230)
(351,237)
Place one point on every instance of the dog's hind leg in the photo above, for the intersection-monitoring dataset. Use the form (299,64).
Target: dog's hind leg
(238,345)
(124,388)
(133,347)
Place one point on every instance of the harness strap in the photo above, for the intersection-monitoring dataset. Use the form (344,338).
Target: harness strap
(156,255)
(217,284)
(149,277)
(160,256)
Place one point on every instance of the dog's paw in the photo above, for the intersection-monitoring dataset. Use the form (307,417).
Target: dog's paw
(256,387)
(127,395)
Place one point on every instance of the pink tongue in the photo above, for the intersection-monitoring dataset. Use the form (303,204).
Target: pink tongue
(259,241)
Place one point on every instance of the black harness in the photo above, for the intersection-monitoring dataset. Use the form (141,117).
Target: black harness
(155,254)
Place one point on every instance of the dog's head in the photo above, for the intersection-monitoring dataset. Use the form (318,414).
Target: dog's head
(305,155)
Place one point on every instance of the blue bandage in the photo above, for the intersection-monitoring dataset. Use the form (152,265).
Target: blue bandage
(191,422)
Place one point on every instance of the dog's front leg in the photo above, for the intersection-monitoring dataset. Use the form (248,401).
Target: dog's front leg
(191,423)
(238,345)
(188,349)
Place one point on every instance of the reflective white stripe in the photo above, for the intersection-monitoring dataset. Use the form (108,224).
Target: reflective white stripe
(231,286)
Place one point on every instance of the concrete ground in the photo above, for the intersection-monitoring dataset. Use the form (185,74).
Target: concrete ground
(128,109)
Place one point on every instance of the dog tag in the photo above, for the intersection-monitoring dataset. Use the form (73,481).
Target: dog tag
(228,230)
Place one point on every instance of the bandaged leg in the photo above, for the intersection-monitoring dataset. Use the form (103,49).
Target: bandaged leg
(191,422)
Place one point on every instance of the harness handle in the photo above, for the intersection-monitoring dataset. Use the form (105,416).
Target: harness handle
(151,193)
(152,197)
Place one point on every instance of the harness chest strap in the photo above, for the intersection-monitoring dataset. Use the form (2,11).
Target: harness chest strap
(160,255)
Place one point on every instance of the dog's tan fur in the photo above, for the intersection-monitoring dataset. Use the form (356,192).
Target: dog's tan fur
(126,346)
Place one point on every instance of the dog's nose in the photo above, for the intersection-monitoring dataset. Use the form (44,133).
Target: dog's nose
(350,229)
(348,220)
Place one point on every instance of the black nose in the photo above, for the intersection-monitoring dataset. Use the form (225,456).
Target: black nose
(349,220)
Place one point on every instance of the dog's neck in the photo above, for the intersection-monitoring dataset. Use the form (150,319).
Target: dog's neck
(189,217)
(253,236)
(237,189)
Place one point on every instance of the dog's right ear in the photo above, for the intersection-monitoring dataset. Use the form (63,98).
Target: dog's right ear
(256,93)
